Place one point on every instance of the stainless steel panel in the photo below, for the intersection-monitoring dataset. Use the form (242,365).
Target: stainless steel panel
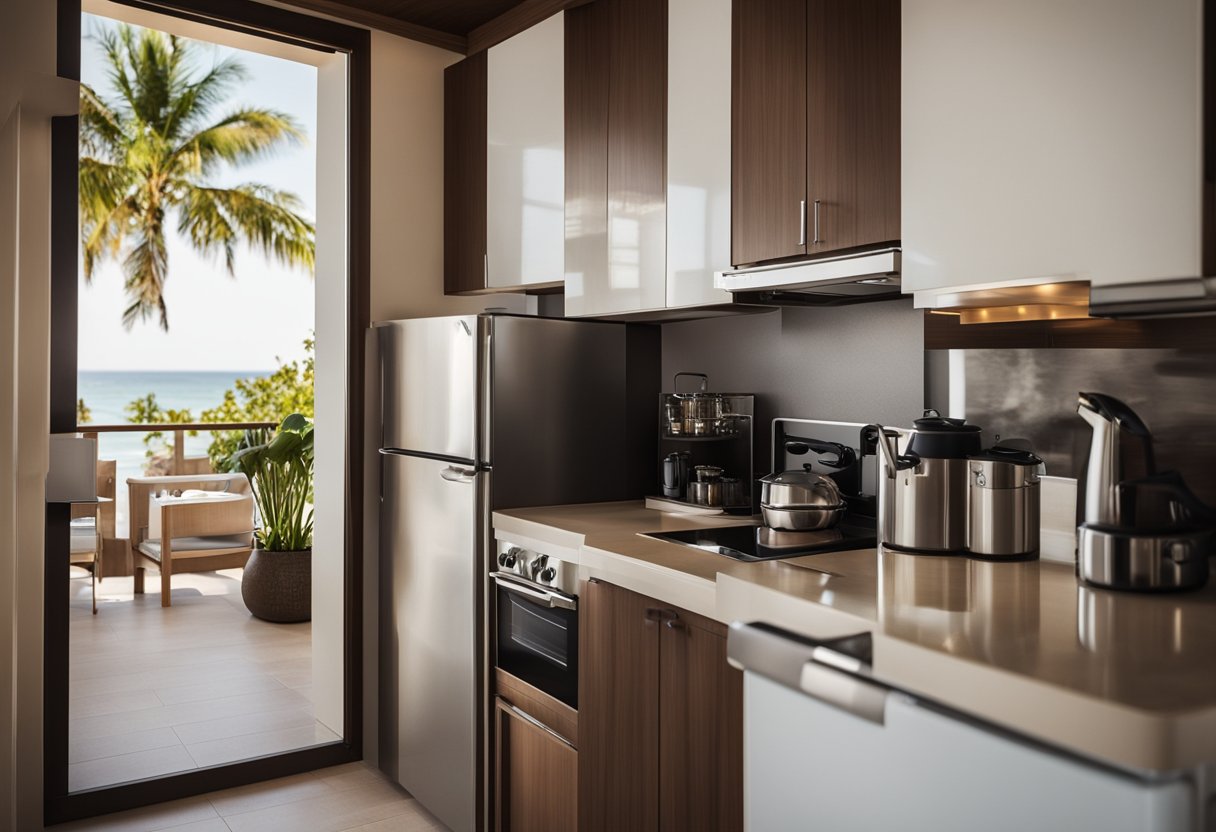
(1033,393)
(1003,522)
(431,573)
(1150,563)
(924,509)
(429,385)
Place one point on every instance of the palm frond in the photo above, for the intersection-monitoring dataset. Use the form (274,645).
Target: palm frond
(240,137)
(145,268)
(266,218)
(102,133)
(195,99)
(107,207)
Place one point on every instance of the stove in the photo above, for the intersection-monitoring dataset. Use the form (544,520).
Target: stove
(760,543)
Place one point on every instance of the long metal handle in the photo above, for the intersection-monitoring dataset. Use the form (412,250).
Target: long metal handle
(802,222)
(817,668)
(816,239)
(547,597)
(454,473)
(533,721)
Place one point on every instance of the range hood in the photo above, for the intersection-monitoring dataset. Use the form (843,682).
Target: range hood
(1185,296)
(848,278)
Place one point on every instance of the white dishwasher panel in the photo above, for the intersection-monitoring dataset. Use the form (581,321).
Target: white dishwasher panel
(809,765)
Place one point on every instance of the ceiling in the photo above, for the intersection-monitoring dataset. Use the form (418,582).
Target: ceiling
(455,17)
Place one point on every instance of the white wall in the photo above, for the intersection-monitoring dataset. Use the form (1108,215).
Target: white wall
(29,95)
(328,580)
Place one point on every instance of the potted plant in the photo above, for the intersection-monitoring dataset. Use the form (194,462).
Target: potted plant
(277,584)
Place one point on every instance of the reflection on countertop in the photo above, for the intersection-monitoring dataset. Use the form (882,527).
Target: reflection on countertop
(1154,652)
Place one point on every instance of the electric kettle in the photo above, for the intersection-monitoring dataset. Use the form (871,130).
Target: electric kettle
(1140,529)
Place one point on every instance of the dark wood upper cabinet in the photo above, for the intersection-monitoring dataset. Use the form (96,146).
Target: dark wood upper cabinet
(660,717)
(700,728)
(815,151)
(768,130)
(464,175)
(852,123)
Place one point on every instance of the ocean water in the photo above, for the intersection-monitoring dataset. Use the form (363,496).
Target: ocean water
(107,392)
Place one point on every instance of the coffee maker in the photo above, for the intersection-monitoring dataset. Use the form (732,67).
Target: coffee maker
(1139,529)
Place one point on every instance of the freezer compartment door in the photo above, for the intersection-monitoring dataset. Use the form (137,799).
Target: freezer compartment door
(429,385)
(430,645)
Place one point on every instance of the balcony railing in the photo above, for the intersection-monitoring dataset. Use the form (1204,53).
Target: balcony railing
(178,429)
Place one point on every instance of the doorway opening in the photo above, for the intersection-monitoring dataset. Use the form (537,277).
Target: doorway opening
(209,635)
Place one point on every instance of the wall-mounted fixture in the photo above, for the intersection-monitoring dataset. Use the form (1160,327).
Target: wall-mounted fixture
(1038,302)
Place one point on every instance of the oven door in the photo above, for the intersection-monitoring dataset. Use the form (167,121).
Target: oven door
(537,637)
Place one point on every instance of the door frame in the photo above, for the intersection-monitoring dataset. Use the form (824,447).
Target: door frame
(265,21)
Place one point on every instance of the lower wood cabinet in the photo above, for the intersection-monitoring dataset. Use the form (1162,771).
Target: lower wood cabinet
(660,717)
(536,788)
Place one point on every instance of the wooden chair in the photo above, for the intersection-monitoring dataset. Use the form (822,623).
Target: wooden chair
(183,534)
(85,547)
(92,525)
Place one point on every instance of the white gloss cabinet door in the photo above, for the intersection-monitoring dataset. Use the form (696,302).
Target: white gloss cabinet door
(525,157)
(809,765)
(698,149)
(1050,139)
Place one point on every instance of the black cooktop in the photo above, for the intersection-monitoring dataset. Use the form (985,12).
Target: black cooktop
(758,543)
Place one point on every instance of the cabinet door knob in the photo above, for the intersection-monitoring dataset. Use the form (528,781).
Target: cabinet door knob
(673,620)
(653,614)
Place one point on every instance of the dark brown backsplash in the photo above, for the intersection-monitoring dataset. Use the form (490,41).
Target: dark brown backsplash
(1032,393)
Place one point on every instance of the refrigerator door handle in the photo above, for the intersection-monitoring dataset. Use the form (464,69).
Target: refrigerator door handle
(454,473)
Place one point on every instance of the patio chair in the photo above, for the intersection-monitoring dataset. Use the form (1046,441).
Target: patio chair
(189,524)
(85,547)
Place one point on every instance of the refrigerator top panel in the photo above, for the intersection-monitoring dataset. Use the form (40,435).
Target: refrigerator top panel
(429,386)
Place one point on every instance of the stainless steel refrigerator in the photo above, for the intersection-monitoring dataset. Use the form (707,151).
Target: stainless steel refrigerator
(481,413)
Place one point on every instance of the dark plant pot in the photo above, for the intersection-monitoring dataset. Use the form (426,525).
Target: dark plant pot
(277,586)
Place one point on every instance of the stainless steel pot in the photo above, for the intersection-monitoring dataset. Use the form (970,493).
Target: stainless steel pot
(801,518)
(1003,503)
(720,491)
(799,488)
(922,500)
(800,501)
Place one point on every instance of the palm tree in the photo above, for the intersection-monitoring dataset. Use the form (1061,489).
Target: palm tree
(152,151)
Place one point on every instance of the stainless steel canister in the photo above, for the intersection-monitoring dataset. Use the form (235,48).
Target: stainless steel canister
(1003,503)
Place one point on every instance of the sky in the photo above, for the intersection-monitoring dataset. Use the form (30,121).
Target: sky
(216,322)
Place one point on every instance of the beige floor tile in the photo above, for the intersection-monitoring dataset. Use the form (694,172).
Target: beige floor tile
(107,703)
(217,688)
(126,767)
(148,819)
(234,726)
(82,750)
(334,813)
(413,819)
(350,776)
(147,681)
(246,746)
(271,793)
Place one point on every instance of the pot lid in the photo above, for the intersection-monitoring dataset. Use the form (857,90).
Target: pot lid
(931,422)
(1008,454)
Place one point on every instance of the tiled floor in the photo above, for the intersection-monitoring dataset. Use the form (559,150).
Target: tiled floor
(156,690)
(350,797)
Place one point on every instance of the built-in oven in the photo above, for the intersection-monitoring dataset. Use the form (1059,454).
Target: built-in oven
(536,628)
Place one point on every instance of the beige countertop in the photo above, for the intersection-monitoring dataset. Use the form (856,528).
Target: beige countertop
(1129,679)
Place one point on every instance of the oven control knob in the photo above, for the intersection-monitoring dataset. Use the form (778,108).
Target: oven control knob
(548,574)
(508,558)
(538,565)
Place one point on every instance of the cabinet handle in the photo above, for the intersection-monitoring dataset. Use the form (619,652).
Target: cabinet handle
(654,614)
(802,222)
(673,620)
(816,239)
(536,723)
